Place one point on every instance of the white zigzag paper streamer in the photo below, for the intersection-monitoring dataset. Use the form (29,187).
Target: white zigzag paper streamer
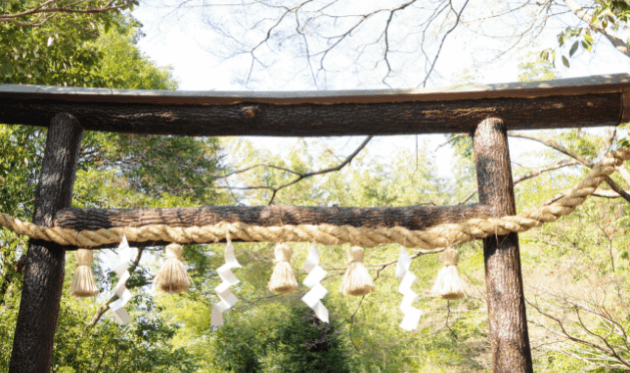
(227,298)
(120,289)
(315,275)
(412,315)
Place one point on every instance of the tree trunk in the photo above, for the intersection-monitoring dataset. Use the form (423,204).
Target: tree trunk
(44,270)
(509,340)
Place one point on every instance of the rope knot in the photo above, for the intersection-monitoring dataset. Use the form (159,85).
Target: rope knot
(283,253)
(282,279)
(174,250)
(355,254)
(450,257)
(84,257)
(357,280)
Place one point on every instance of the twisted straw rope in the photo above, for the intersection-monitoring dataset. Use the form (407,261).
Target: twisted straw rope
(431,238)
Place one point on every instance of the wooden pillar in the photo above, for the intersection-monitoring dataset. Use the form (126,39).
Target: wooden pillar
(44,270)
(509,340)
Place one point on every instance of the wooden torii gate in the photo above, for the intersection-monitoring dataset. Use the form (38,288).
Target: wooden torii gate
(487,112)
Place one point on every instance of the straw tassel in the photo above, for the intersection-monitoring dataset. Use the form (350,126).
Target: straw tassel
(282,280)
(83,282)
(173,277)
(448,284)
(357,280)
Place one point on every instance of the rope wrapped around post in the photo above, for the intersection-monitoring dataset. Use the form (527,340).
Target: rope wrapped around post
(429,239)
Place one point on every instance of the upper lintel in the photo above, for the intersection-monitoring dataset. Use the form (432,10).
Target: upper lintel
(563,103)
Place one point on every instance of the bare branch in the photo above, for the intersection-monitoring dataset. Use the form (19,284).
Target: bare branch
(437,54)
(467,198)
(453,138)
(551,167)
(553,144)
(102,309)
(320,172)
(583,160)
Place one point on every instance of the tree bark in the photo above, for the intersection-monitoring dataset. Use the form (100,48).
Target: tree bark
(509,340)
(344,119)
(410,217)
(44,270)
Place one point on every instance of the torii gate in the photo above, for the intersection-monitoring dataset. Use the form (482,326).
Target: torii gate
(487,112)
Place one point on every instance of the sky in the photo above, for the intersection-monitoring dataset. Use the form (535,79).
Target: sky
(182,39)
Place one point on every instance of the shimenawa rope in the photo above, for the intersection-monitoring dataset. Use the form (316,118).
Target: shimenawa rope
(327,234)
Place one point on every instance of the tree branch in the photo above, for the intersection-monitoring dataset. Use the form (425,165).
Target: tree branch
(453,138)
(551,167)
(437,54)
(42,9)
(102,309)
(303,176)
(618,43)
(583,160)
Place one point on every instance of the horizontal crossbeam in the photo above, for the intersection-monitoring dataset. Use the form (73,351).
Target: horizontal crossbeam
(410,217)
(568,103)
(431,238)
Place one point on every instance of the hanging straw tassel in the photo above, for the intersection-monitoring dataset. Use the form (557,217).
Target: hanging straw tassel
(282,280)
(448,284)
(357,280)
(83,282)
(173,277)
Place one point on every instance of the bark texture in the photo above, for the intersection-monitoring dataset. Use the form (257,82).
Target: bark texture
(410,217)
(509,340)
(262,119)
(44,270)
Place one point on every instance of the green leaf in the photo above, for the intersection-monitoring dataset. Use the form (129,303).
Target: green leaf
(588,38)
(561,38)
(565,61)
(545,54)
(574,48)
(587,46)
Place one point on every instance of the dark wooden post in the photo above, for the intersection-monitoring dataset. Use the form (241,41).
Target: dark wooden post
(509,339)
(44,271)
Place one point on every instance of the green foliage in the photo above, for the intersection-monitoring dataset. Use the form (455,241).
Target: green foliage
(536,70)
(609,15)
(305,344)
(288,339)
(57,53)
(121,66)
(115,170)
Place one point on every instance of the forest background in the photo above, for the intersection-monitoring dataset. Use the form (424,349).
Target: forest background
(575,270)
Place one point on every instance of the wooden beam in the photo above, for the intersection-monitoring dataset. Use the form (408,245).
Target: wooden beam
(509,340)
(410,217)
(596,101)
(45,261)
(319,120)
